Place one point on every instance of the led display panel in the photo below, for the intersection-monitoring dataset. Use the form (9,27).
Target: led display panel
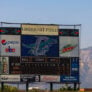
(69,32)
(40,46)
(10,31)
(14,65)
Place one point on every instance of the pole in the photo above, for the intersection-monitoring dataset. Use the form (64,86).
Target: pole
(51,86)
(79,86)
(2,86)
(27,84)
(75,86)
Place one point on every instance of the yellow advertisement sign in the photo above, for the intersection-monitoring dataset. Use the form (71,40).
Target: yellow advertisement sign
(39,29)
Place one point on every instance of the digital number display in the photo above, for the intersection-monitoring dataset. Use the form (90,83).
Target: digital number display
(14,64)
(40,68)
(65,66)
(46,68)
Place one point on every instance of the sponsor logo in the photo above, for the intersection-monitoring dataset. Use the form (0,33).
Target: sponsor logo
(48,78)
(4,42)
(9,49)
(10,78)
(67,48)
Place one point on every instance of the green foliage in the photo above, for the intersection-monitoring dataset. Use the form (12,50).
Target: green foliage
(8,88)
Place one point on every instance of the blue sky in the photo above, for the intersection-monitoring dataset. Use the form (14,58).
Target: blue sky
(51,11)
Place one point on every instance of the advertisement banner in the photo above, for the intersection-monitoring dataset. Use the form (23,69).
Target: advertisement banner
(69,79)
(4,65)
(10,78)
(40,46)
(68,46)
(10,45)
(49,78)
(10,31)
(29,78)
(69,32)
(74,66)
(39,29)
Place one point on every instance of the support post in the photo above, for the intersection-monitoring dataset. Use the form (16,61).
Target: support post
(51,86)
(27,85)
(75,85)
(2,86)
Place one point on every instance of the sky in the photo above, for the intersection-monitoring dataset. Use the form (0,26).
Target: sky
(51,12)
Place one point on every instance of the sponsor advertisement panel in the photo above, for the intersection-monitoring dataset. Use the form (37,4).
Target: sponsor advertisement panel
(10,45)
(68,46)
(29,78)
(4,65)
(39,29)
(74,66)
(40,46)
(49,78)
(10,78)
(69,79)
(10,31)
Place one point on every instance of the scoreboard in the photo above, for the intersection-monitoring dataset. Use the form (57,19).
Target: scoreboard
(45,50)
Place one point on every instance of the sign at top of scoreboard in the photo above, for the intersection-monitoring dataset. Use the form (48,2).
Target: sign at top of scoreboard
(39,29)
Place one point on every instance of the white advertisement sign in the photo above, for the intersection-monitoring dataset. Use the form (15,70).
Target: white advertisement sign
(68,46)
(10,78)
(49,78)
(10,45)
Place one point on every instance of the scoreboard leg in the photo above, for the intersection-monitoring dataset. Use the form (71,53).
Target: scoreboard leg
(27,84)
(2,86)
(51,86)
(75,85)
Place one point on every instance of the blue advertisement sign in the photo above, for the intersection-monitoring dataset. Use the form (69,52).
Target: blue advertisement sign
(74,66)
(69,79)
(40,46)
